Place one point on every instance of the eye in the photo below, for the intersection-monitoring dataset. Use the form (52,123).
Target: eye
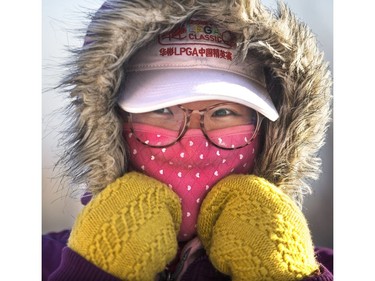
(222,112)
(163,111)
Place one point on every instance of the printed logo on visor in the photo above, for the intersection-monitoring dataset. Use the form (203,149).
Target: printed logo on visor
(198,38)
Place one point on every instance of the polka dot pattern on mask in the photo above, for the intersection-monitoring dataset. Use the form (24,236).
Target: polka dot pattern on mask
(190,168)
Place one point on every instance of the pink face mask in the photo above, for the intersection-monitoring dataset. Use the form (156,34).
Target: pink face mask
(190,167)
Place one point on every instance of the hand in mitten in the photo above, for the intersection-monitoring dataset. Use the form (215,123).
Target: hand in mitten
(253,231)
(129,230)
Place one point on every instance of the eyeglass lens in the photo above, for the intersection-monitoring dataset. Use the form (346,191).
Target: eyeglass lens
(227,125)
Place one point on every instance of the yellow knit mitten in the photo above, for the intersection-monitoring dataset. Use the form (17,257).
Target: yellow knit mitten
(253,231)
(129,230)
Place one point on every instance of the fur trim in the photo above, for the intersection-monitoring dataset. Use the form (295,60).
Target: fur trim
(299,83)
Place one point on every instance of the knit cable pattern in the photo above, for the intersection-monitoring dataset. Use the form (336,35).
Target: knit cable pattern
(130,228)
(253,231)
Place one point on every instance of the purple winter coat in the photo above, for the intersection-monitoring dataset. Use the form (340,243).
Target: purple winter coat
(61,263)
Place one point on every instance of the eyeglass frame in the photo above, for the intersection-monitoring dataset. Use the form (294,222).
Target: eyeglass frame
(187,113)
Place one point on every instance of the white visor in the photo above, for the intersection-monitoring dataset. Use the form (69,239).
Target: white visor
(193,63)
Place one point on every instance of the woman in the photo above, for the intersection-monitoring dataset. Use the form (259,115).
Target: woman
(196,126)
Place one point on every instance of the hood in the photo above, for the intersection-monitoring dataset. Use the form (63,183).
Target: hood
(298,80)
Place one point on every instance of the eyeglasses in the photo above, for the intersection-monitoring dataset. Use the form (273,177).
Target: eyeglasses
(226,125)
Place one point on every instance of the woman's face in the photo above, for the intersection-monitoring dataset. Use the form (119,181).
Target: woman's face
(192,165)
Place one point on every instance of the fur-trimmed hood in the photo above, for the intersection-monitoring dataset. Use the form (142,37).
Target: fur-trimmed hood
(298,78)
